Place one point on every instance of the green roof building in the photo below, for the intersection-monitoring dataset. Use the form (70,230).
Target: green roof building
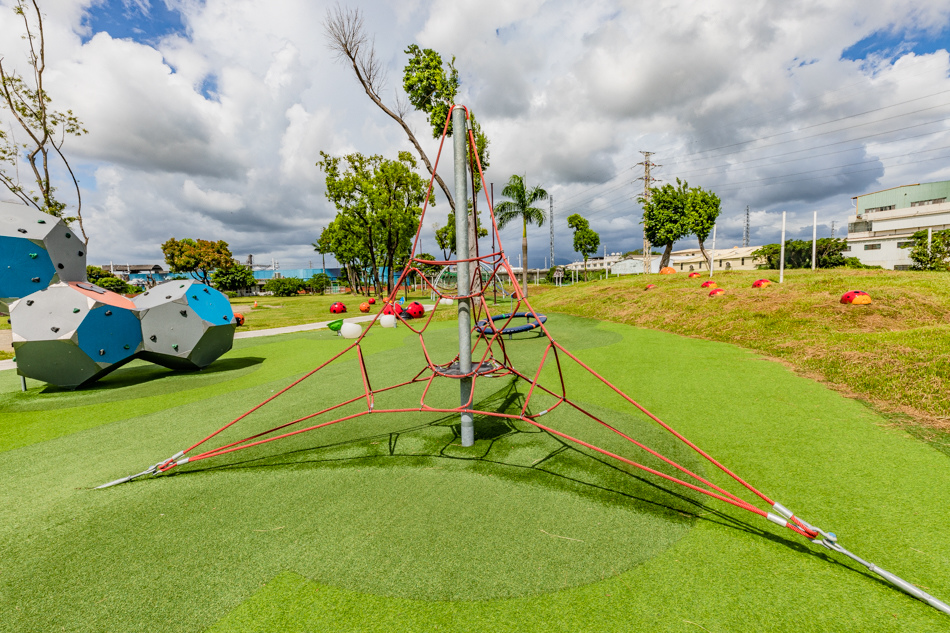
(880,233)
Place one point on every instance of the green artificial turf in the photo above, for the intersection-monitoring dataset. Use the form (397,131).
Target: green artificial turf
(384,523)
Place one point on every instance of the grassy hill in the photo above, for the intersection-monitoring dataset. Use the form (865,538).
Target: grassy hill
(893,353)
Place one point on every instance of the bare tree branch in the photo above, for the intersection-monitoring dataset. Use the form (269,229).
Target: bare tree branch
(345,31)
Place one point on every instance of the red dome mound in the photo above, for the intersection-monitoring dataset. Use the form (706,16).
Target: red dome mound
(761,283)
(692,275)
(666,270)
(338,308)
(856,297)
(650,286)
(716,291)
(371,301)
(709,284)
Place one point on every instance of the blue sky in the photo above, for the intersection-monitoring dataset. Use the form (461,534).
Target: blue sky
(145,21)
(892,43)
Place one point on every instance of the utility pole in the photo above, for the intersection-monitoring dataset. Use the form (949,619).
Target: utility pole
(648,180)
(551,223)
(745,232)
(832,229)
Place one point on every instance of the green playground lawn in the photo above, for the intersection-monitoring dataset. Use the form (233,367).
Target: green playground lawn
(385,523)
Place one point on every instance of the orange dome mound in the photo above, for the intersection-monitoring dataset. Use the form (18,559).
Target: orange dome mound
(667,270)
(239,318)
(856,297)
(364,307)
(716,291)
(761,283)
(709,284)
(692,275)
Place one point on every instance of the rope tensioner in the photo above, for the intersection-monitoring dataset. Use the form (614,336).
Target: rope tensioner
(473,283)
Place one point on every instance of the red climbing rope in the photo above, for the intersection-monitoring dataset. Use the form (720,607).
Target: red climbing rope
(489,359)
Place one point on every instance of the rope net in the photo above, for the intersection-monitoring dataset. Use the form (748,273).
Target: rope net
(490,361)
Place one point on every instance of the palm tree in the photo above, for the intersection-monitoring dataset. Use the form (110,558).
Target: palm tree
(519,206)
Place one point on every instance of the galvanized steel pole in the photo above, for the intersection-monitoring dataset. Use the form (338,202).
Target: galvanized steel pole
(781,259)
(460,144)
(814,240)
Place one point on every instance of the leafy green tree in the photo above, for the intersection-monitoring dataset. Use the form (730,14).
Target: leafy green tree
(667,217)
(95,273)
(518,207)
(445,236)
(586,240)
(284,286)
(114,284)
(379,203)
(196,257)
(702,208)
(429,83)
(44,128)
(319,283)
(233,277)
(798,254)
(936,255)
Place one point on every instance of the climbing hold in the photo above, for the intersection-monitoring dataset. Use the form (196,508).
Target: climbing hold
(102,352)
(108,312)
(125,347)
(54,329)
(184,313)
(22,230)
(35,280)
(68,236)
(175,347)
(60,266)
(153,338)
(75,310)
(41,221)
(33,255)
(29,302)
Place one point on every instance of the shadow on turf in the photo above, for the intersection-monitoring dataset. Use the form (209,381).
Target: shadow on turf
(142,374)
(562,465)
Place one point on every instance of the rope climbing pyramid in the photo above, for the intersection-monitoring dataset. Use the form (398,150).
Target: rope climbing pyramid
(483,357)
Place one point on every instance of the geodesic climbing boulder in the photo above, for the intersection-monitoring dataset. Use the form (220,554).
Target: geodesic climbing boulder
(73,334)
(185,324)
(36,250)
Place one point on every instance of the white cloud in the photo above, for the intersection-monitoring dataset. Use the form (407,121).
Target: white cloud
(210,200)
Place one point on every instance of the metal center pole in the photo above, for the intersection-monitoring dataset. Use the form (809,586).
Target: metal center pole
(459,139)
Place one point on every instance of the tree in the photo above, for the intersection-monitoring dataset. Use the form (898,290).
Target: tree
(586,239)
(44,128)
(115,284)
(934,255)
(798,254)
(379,203)
(519,208)
(702,207)
(445,236)
(95,273)
(196,257)
(666,217)
(319,283)
(428,270)
(283,286)
(233,277)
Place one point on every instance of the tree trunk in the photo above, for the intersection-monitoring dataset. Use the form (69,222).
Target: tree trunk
(702,249)
(524,258)
(585,267)
(666,255)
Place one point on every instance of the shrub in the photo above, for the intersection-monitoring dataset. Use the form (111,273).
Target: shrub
(284,286)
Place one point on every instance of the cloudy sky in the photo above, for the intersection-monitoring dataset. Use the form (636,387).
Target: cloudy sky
(206,118)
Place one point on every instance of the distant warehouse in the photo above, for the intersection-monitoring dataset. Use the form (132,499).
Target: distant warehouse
(880,233)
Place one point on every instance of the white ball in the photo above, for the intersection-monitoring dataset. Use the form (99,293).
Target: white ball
(388,320)
(351,330)
(446,302)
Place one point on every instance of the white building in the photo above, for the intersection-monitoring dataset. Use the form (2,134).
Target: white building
(880,233)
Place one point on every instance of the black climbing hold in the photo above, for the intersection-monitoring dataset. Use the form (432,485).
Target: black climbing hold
(184,313)
(68,236)
(36,280)
(102,352)
(81,253)
(54,329)
(146,294)
(153,338)
(108,312)
(168,297)
(208,291)
(226,318)
(22,230)
(60,266)
(29,302)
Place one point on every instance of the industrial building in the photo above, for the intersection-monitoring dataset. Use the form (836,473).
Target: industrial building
(880,233)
